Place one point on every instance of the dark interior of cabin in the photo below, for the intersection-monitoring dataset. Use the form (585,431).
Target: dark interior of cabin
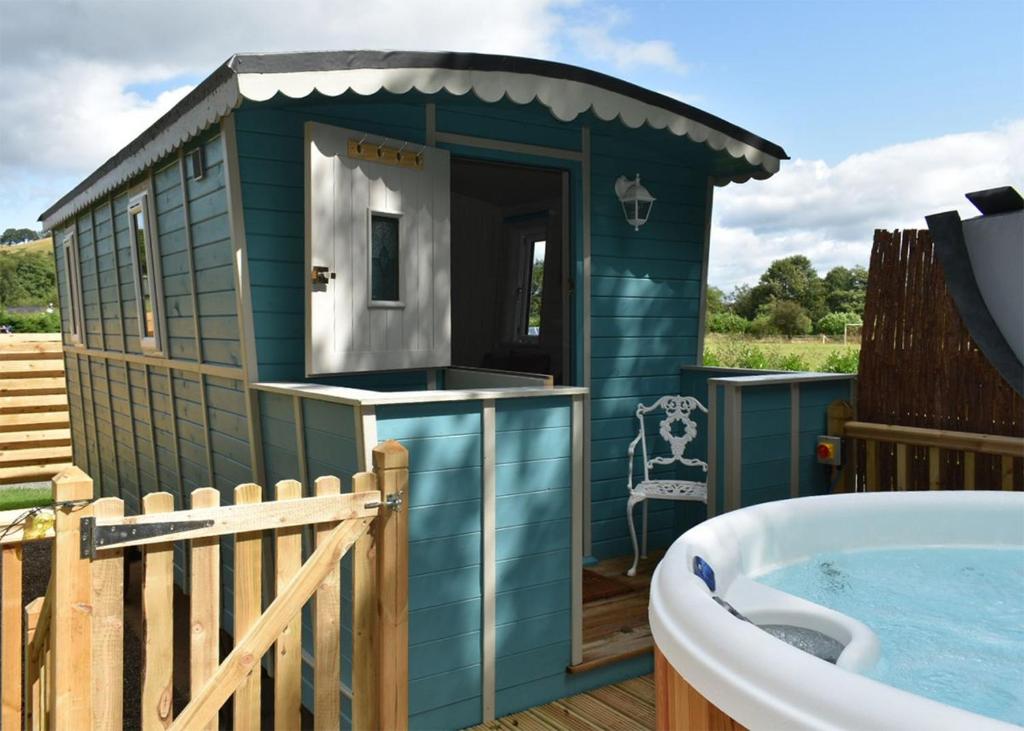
(510,293)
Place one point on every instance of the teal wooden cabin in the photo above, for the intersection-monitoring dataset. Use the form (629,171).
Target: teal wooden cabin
(314,252)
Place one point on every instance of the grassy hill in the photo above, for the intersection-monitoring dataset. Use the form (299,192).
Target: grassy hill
(44,245)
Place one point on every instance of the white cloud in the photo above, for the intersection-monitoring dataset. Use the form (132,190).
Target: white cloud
(67,104)
(829,213)
(597,41)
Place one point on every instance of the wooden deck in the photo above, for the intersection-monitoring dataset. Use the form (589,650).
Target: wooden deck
(616,628)
(626,706)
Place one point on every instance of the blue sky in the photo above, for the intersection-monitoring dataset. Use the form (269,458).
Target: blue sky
(890,110)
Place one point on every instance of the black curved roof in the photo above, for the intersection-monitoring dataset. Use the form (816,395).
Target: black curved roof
(337,60)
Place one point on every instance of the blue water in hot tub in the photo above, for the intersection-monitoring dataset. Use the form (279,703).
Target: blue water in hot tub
(950,620)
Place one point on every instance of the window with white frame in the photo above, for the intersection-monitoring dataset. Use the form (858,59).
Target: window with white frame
(74,289)
(146,261)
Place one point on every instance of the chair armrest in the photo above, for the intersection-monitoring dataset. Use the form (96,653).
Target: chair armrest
(631,451)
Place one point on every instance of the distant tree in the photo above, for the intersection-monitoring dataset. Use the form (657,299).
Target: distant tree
(727,322)
(845,289)
(744,302)
(715,301)
(27,278)
(834,323)
(792,279)
(17,235)
(787,317)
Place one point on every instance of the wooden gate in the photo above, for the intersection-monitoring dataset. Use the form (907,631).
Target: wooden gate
(73,638)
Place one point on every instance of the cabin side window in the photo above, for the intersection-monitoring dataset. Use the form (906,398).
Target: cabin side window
(74,289)
(145,259)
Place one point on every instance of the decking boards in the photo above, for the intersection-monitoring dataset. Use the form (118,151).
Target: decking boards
(628,706)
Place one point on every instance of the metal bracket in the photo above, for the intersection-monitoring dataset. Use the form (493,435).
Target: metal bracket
(393,501)
(94,537)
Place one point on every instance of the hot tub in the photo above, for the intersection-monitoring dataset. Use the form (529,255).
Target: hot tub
(708,655)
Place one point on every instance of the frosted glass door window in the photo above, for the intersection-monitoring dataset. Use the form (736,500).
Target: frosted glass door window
(384,267)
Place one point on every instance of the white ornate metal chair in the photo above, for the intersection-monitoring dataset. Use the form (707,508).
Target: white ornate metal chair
(677,410)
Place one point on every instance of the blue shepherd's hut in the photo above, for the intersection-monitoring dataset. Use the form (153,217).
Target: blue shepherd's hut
(492,259)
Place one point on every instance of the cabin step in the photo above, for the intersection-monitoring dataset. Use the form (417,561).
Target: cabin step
(31,473)
(31,369)
(613,650)
(42,420)
(32,404)
(35,456)
(33,439)
(33,387)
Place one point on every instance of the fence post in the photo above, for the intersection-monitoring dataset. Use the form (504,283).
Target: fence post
(840,412)
(10,634)
(364,621)
(70,699)
(391,535)
(31,684)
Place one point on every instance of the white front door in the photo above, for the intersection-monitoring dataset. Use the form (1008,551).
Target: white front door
(377,253)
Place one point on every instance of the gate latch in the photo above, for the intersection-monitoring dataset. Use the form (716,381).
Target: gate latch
(393,501)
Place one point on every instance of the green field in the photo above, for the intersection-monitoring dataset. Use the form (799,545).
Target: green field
(44,245)
(798,354)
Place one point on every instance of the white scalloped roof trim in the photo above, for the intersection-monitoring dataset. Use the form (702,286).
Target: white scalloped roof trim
(207,112)
(564,98)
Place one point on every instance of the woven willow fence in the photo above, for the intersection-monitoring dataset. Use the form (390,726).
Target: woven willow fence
(919,367)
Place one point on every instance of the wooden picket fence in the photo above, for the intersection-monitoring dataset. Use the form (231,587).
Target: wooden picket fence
(72,653)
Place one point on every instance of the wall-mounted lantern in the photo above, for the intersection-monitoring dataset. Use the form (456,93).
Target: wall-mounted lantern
(636,200)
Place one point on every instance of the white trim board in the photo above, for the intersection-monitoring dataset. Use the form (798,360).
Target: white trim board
(362,397)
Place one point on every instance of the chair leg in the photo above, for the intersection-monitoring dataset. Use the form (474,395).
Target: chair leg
(633,500)
(643,534)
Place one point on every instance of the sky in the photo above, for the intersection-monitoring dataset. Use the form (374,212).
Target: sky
(890,111)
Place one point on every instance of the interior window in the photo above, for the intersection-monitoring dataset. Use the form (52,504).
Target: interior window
(384,257)
(144,256)
(536,288)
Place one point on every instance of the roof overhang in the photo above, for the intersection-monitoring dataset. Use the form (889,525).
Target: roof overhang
(567,91)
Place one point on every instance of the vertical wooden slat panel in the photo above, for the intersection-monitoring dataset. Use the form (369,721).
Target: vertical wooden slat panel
(902,475)
(11,635)
(364,622)
(934,464)
(107,627)
(158,623)
(204,605)
(33,684)
(969,471)
(69,687)
(1006,469)
(391,464)
(288,649)
(871,448)
(248,607)
(327,630)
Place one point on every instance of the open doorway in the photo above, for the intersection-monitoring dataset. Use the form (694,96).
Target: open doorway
(509,285)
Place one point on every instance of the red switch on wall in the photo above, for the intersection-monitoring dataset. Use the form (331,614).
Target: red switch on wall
(829,450)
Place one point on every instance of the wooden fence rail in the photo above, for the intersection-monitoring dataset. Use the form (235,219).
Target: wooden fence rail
(35,431)
(939,451)
(72,656)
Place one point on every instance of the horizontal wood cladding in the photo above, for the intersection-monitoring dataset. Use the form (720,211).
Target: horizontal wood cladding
(645,305)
